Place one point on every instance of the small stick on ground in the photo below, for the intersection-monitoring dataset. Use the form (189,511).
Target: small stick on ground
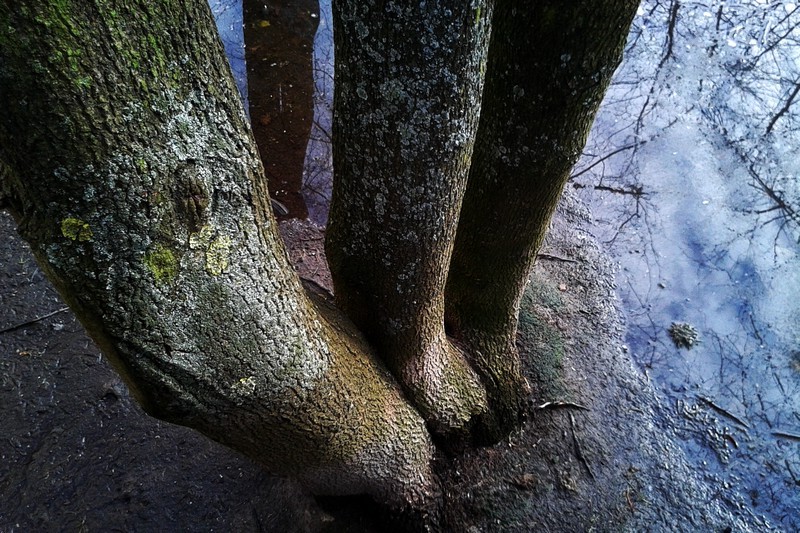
(723,411)
(783,435)
(33,321)
(559,404)
(552,257)
(578,450)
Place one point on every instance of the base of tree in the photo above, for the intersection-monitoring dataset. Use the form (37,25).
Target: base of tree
(598,449)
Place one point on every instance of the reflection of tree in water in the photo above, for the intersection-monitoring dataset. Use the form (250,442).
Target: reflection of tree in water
(742,63)
(752,103)
(692,173)
(279,42)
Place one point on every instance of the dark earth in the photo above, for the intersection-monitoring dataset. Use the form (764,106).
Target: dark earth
(598,451)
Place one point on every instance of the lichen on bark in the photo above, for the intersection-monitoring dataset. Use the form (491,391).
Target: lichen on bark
(76,229)
(549,64)
(162,263)
(128,162)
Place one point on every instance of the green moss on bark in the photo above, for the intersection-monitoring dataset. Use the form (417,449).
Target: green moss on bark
(545,346)
(76,229)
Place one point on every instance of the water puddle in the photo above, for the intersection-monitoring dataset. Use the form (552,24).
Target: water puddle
(228,14)
(318,167)
(691,172)
(280,40)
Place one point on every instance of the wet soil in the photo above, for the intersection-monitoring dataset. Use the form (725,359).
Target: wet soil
(597,452)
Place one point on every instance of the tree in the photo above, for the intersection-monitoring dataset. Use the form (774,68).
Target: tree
(128,163)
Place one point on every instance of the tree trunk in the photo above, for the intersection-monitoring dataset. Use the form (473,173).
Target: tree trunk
(408,84)
(129,166)
(550,63)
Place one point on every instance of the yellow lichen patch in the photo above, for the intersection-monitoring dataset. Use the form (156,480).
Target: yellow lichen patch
(161,262)
(201,239)
(76,229)
(217,250)
(245,385)
(218,255)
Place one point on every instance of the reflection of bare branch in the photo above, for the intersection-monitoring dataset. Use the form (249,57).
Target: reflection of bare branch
(611,154)
(786,208)
(788,211)
(785,107)
(673,20)
(625,222)
(769,48)
(637,191)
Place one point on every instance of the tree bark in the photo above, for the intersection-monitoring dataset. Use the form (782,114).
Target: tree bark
(550,63)
(130,168)
(408,84)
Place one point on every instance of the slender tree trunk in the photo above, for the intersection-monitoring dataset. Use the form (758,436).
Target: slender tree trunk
(408,84)
(129,166)
(550,63)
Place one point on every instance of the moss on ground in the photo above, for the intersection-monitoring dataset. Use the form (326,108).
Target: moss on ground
(542,343)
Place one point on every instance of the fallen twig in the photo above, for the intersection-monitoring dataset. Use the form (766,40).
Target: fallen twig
(33,321)
(578,450)
(552,257)
(607,156)
(558,404)
(723,411)
(784,435)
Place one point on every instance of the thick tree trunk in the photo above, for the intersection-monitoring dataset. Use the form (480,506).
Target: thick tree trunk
(550,63)
(129,165)
(408,84)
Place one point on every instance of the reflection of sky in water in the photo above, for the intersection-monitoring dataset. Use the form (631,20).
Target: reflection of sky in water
(228,14)
(700,246)
(318,171)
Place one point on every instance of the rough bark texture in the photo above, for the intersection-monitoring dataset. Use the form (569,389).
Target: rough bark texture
(129,166)
(408,84)
(549,65)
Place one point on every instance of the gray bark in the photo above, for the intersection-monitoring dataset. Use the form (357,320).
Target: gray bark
(131,171)
(550,63)
(408,84)
(128,163)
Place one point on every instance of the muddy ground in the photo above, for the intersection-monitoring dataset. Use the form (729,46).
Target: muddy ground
(598,452)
